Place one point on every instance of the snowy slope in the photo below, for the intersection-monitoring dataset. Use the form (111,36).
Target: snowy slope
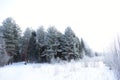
(83,70)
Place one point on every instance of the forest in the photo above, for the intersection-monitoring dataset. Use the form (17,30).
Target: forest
(39,46)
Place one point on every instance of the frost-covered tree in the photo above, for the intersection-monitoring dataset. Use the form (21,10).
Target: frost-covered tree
(17,39)
(69,40)
(78,48)
(41,35)
(32,52)
(4,58)
(27,33)
(11,32)
(70,44)
(86,49)
(25,41)
(112,59)
(52,42)
(41,42)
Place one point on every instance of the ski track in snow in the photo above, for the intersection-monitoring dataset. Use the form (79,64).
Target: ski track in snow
(80,70)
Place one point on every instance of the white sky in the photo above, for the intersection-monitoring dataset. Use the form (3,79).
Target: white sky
(97,21)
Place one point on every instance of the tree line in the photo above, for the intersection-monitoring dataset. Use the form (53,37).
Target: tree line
(40,45)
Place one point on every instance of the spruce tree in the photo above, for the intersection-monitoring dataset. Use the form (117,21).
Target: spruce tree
(52,42)
(86,49)
(41,43)
(4,58)
(70,45)
(17,39)
(32,52)
(41,35)
(11,32)
(24,44)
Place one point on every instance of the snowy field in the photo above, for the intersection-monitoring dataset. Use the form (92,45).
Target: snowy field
(82,70)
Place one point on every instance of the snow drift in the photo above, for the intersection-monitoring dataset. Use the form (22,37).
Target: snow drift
(82,70)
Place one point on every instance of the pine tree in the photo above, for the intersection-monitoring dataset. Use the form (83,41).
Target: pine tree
(77,50)
(11,32)
(24,44)
(41,35)
(70,45)
(41,42)
(80,47)
(86,49)
(4,58)
(52,42)
(32,52)
(17,43)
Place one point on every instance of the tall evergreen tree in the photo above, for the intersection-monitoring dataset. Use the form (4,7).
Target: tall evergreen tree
(52,43)
(4,58)
(86,49)
(71,45)
(32,52)
(17,39)
(80,47)
(24,46)
(11,32)
(41,43)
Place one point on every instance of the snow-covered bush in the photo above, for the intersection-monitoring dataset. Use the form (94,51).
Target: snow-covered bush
(112,59)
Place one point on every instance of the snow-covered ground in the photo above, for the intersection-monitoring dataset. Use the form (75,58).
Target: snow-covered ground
(80,70)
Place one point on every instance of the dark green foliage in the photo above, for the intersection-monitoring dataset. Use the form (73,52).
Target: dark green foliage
(41,46)
(24,44)
(32,48)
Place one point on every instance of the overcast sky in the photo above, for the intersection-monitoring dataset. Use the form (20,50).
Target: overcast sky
(97,21)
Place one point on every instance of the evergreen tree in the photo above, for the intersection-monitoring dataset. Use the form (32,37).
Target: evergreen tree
(17,43)
(4,58)
(24,46)
(27,34)
(80,47)
(86,49)
(77,48)
(82,43)
(52,42)
(41,42)
(41,35)
(71,45)
(32,52)
(11,32)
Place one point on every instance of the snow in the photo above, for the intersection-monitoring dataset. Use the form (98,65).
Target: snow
(80,70)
